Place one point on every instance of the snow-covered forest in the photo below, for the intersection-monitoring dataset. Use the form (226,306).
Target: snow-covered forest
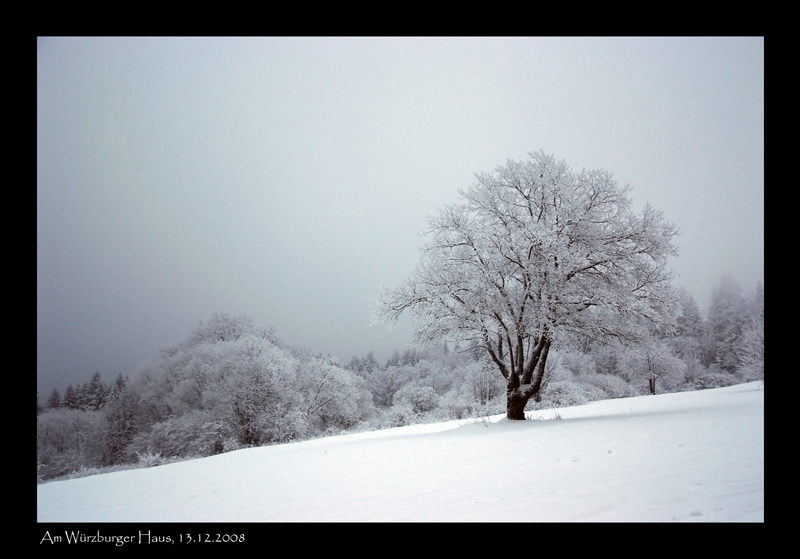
(232,384)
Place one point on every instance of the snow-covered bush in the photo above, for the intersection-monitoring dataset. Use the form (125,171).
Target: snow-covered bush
(288,426)
(420,399)
(566,392)
(459,403)
(195,433)
(148,460)
(67,440)
(612,385)
(384,383)
(333,398)
(398,416)
(715,377)
(229,385)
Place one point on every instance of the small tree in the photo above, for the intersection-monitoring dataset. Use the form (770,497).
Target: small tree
(651,362)
(532,253)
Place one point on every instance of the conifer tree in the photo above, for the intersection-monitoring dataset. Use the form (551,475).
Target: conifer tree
(96,392)
(54,401)
(727,317)
(71,398)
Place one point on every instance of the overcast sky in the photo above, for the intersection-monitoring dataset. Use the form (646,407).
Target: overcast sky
(289,179)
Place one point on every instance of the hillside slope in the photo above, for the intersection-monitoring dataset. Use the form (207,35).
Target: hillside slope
(691,456)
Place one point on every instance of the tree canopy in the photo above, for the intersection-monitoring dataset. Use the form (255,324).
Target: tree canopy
(531,252)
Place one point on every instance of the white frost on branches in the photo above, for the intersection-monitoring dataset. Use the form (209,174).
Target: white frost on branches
(651,362)
(534,251)
(751,350)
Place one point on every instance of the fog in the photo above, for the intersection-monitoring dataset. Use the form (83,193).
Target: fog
(289,179)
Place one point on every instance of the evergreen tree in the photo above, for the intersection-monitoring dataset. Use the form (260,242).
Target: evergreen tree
(54,401)
(120,426)
(117,388)
(83,397)
(410,357)
(96,393)
(727,317)
(751,344)
(71,398)
(756,303)
(370,363)
(751,350)
(687,341)
(690,320)
(394,360)
(364,367)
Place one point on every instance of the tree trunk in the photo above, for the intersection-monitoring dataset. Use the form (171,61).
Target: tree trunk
(515,405)
(532,377)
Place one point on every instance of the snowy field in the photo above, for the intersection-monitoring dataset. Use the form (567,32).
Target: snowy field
(691,456)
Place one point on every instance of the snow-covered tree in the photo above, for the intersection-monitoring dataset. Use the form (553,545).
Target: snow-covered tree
(421,399)
(410,357)
(68,440)
(95,393)
(120,426)
(534,252)
(652,361)
(751,350)
(756,303)
(484,382)
(727,317)
(54,401)
(689,328)
(119,385)
(238,385)
(334,397)
(221,328)
(364,367)
(394,360)
(70,398)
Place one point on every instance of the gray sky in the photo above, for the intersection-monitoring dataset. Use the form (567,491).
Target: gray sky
(289,179)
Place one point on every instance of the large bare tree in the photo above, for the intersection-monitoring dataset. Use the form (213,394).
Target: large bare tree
(532,252)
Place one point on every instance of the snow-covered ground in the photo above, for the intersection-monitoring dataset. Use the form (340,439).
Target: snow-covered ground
(691,456)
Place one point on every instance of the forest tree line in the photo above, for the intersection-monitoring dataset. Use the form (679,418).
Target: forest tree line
(232,384)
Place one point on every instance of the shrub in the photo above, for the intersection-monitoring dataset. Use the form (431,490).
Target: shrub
(714,377)
(398,416)
(420,399)
(564,392)
(612,385)
(192,434)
